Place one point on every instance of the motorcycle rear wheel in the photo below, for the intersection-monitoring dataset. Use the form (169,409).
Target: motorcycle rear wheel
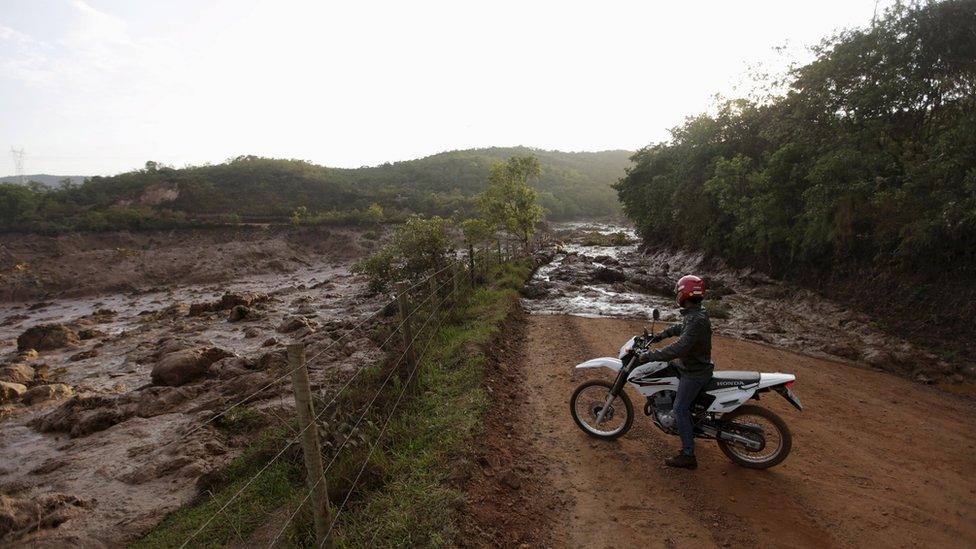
(771,424)
(588,400)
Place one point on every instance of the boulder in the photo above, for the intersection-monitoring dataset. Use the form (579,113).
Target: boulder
(607,275)
(228,301)
(80,416)
(180,367)
(17,373)
(230,367)
(9,392)
(46,337)
(90,333)
(294,323)
(84,355)
(27,355)
(251,332)
(41,393)
(239,313)
(273,360)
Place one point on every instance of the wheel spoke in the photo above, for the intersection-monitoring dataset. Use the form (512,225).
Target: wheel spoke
(588,405)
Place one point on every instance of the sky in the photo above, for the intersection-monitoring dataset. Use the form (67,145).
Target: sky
(98,87)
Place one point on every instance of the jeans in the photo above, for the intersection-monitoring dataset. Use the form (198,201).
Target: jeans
(688,390)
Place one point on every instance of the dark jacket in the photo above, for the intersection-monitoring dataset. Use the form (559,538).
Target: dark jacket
(693,348)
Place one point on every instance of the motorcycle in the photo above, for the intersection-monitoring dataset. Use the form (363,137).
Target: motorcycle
(749,435)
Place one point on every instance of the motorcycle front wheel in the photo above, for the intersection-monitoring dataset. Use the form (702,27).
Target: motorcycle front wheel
(770,430)
(587,402)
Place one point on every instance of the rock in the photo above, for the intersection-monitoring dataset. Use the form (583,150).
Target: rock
(608,275)
(46,337)
(270,342)
(27,355)
(230,367)
(10,392)
(41,393)
(17,373)
(658,285)
(84,355)
(606,260)
(273,360)
(239,313)
(294,323)
(181,367)
(228,301)
(537,290)
(251,332)
(17,514)
(878,358)
(90,333)
(81,415)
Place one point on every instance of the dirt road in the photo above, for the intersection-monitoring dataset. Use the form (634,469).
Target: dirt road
(877,460)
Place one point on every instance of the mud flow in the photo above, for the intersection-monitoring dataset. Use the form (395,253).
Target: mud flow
(587,277)
(108,398)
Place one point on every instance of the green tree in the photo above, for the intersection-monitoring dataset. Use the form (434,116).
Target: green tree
(508,201)
(419,248)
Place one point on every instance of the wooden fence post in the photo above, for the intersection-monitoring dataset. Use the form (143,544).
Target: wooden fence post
(410,359)
(314,476)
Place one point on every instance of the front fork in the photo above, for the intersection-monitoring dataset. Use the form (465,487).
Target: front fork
(618,385)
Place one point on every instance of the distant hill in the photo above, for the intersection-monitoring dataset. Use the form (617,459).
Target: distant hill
(572,185)
(51,181)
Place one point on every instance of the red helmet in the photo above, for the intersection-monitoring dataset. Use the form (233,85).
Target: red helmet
(689,286)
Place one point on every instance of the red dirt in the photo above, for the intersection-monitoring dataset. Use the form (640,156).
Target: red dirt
(877,460)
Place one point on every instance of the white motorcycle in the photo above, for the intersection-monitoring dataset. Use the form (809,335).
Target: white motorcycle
(749,435)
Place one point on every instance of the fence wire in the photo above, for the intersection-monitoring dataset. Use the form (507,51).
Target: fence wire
(297,436)
(403,390)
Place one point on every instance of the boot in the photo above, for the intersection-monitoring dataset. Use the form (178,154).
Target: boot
(683,461)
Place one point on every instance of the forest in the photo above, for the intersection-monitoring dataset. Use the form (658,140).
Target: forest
(859,175)
(250,188)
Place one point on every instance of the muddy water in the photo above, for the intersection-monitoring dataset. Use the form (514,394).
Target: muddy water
(121,480)
(625,282)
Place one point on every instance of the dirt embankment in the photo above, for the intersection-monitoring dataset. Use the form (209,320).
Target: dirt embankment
(877,460)
(75,264)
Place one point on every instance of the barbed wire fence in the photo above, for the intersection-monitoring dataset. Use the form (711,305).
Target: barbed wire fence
(444,286)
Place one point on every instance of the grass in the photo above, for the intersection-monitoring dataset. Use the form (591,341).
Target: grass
(403,497)
(241,420)
(281,482)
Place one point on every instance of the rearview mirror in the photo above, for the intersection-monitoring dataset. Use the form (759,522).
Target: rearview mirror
(656,314)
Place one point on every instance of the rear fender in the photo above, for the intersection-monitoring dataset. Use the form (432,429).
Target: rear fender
(772,380)
(609,362)
(777,382)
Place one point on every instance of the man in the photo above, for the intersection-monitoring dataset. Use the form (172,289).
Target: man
(692,356)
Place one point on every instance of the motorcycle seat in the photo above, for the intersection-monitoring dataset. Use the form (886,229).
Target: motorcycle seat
(731,378)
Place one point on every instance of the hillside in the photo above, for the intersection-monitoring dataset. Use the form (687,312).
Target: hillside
(859,180)
(260,189)
(44,179)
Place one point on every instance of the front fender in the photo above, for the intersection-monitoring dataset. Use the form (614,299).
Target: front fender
(603,362)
